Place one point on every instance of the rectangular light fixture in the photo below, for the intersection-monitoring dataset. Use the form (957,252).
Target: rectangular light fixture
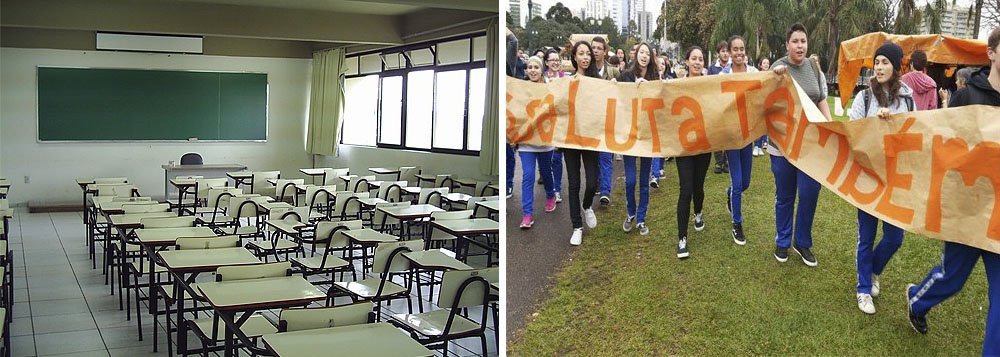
(149,43)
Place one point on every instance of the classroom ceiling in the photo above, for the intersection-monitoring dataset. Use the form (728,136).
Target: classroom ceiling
(318,23)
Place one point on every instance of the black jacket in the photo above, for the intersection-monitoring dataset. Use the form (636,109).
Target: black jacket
(977,91)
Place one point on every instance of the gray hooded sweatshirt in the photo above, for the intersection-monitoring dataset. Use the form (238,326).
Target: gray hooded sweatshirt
(904,103)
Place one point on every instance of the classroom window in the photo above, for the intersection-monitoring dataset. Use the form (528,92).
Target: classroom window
(426,97)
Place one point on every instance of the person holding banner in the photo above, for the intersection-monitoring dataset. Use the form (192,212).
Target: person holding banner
(958,260)
(532,155)
(758,146)
(691,171)
(553,70)
(724,61)
(581,57)
(740,161)
(789,181)
(886,94)
(600,45)
(641,70)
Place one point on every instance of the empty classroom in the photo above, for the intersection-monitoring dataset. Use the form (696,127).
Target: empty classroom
(252,177)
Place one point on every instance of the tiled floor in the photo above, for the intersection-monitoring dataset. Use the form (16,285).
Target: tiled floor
(62,306)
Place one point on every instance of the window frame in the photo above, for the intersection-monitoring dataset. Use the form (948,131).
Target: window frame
(403,72)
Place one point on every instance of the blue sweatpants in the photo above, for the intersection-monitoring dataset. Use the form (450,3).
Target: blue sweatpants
(790,183)
(947,279)
(740,168)
(644,167)
(871,258)
(528,163)
(557,170)
(606,159)
(511,163)
(657,166)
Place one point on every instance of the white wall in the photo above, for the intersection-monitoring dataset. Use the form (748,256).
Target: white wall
(360,158)
(52,167)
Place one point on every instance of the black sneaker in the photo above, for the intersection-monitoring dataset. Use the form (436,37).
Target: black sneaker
(725,168)
(918,323)
(605,200)
(738,234)
(654,183)
(781,254)
(699,223)
(682,248)
(807,256)
(718,169)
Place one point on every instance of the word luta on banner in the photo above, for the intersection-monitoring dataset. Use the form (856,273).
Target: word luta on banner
(935,173)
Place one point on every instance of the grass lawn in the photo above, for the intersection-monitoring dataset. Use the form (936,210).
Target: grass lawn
(626,294)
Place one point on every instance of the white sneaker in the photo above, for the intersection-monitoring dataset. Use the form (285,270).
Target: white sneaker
(590,218)
(577,237)
(756,151)
(866,304)
(558,197)
(875,286)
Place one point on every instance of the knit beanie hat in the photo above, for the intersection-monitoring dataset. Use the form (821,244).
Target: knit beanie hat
(892,52)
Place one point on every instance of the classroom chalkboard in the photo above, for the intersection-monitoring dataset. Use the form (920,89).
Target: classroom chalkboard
(102,104)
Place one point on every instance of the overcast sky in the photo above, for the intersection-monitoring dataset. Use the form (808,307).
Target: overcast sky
(654,7)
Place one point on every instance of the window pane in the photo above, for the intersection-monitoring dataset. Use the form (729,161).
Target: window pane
(479,48)
(360,105)
(477,107)
(394,61)
(419,101)
(351,66)
(392,103)
(371,64)
(421,57)
(449,110)
(453,52)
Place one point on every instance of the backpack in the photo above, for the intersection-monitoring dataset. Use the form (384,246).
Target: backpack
(868,99)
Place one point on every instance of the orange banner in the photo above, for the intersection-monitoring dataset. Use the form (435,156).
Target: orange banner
(934,173)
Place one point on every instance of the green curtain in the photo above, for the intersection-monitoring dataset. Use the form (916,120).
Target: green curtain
(488,155)
(326,104)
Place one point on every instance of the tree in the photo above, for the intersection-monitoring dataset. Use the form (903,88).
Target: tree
(990,13)
(757,21)
(559,13)
(907,18)
(608,27)
(689,22)
(542,32)
(933,15)
(510,20)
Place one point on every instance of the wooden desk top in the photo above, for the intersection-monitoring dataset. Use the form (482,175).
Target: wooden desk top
(131,220)
(377,339)
(436,259)
(409,212)
(468,226)
(264,293)
(492,205)
(370,236)
(206,259)
(164,236)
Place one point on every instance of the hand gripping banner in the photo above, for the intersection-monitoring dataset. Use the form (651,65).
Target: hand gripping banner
(935,173)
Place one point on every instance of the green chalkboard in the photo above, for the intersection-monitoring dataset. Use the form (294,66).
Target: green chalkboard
(99,104)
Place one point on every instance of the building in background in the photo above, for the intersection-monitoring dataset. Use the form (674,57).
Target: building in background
(515,12)
(646,25)
(596,9)
(534,9)
(955,22)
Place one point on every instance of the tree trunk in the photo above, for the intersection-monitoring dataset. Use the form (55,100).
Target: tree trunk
(979,14)
(833,40)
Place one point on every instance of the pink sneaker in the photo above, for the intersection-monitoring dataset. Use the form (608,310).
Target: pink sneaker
(550,204)
(527,221)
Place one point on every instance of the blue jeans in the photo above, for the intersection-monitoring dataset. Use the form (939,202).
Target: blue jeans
(873,259)
(948,278)
(528,162)
(557,170)
(657,166)
(510,166)
(644,166)
(606,160)
(789,180)
(740,168)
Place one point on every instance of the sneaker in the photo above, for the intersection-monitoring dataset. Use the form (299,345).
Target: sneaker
(729,200)
(590,218)
(577,236)
(605,200)
(510,192)
(725,168)
(550,204)
(682,249)
(756,151)
(806,254)
(558,197)
(527,221)
(738,234)
(781,254)
(618,157)
(699,223)
(718,169)
(643,230)
(627,226)
(866,304)
(654,182)
(875,286)
(918,323)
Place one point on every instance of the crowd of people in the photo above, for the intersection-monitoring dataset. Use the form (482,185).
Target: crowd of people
(890,90)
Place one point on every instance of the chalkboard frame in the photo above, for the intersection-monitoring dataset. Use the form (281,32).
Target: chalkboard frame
(267,111)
